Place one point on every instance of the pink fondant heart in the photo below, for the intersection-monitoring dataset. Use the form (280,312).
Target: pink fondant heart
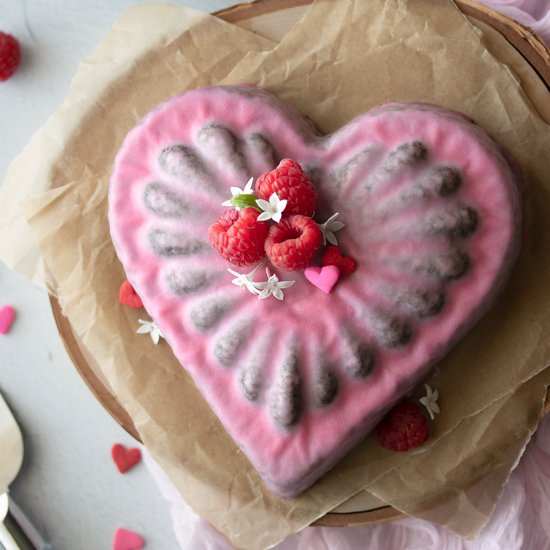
(7,315)
(127,540)
(431,216)
(323,277)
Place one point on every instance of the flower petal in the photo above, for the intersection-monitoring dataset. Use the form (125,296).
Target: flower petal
(285,284)
(274,200)
(278,293)
(336,226)
(331,238)
(248,187)
(263,204)
(264,216)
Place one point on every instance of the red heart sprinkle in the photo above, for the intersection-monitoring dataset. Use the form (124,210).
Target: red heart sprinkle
(333,256)
(125,458)
(128,296)
(127,540)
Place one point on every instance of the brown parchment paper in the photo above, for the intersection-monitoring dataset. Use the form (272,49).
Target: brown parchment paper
(491,386)
(157,43)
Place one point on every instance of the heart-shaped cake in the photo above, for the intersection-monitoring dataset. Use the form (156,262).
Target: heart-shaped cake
(431,208)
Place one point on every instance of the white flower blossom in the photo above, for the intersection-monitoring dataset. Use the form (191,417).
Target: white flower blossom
(149,327)
(329,228)
(272,286)
(247,190)
(243,280)
(430,401)
(272,210)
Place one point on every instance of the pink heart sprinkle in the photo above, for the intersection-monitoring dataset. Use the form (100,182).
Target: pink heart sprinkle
(127,540)
(323,277)
(7,315)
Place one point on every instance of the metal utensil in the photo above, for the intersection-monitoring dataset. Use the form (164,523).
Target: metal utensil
(16,531)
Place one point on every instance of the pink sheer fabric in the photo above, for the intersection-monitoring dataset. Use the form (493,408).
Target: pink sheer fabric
(534,14)
(520,519)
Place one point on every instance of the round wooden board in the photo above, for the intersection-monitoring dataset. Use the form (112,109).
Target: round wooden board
(533,50)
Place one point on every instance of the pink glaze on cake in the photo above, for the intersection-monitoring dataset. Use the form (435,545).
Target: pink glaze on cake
(432,213)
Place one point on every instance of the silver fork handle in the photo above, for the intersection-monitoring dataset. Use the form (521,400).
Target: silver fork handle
(18,533)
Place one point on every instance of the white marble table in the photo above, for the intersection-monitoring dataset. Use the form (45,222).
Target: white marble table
(68,484)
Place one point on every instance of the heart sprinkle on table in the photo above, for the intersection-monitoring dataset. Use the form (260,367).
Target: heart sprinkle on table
(127,540)
(125,459)
(7,315)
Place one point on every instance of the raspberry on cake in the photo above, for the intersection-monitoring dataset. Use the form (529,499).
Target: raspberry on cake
(239,237)
(432,214)
(333,256)
(292,243)
(290,183)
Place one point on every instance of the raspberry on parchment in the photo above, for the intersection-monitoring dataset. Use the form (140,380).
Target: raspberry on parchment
(403,428)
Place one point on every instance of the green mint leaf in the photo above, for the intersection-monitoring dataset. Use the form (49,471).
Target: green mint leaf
(245,201)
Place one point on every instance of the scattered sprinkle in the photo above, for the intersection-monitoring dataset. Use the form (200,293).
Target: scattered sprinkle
(127,296)
(272,287)
(272,210)
(127,540)
(149,327)
(333,256)
(430,401)
(243,280)
(125,459)
(7,316)
(323,278)
(329,228)
(236,191)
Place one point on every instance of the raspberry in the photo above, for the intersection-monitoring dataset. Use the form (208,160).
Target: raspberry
(403,428)
(333,256)
(10,55)
(290,182)
(239,237)
(292,243)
